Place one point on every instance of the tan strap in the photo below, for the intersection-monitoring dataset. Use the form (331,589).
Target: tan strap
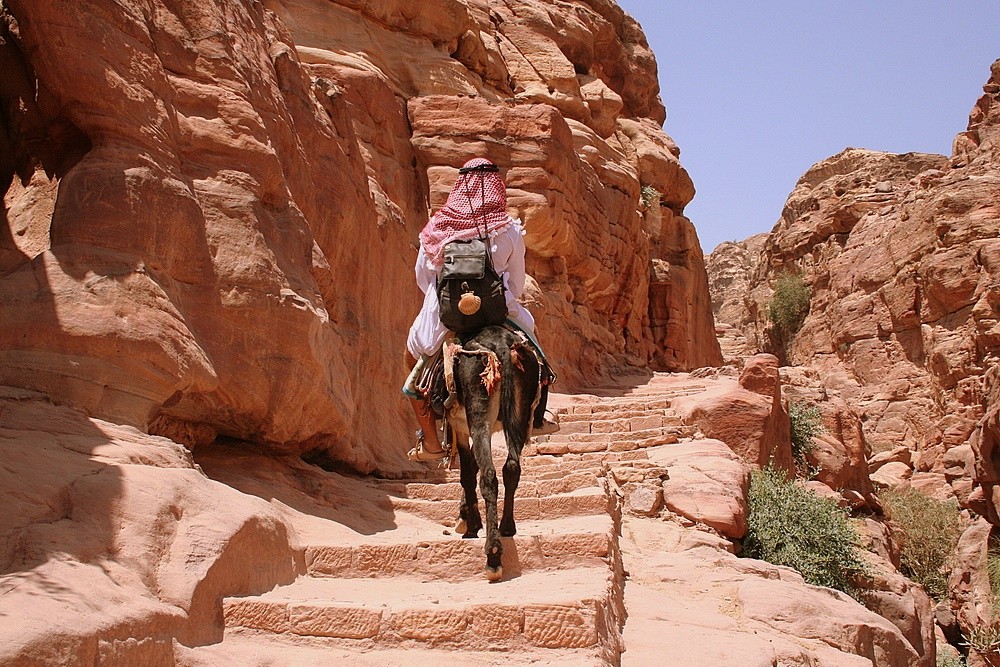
(450,350)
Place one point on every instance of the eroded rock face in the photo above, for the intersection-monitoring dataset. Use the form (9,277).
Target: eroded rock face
(750,417)
(900,254)
(985,446)
(731,267)
(186,275)
(209,227)
(113,543)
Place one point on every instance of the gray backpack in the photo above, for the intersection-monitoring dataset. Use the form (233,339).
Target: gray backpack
(470,292)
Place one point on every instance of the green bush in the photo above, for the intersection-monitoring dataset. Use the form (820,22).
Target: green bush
(927,531)
(985,640)
(792,526)
(807,422)
(649,196)
(947,660)
(789,305)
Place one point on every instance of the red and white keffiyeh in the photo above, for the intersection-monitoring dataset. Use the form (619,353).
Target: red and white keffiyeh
(476,206)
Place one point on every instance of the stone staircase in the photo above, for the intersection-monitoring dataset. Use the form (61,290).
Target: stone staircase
(561,600)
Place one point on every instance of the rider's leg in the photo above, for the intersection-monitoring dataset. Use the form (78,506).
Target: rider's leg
(422,409)
(540,425)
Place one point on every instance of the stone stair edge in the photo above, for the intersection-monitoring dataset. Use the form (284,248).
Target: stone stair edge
(568,612)
(240,643)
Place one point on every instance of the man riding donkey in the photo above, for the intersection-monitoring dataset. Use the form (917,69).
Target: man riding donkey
(476,209)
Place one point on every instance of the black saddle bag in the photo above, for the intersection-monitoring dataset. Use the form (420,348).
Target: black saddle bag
(470,292)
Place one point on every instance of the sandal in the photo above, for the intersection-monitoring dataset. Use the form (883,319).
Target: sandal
(421,455)
(547,426)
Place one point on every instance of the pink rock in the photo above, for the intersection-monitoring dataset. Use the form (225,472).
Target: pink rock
(896,455)
(833,616)
(892,475)
(754,425)
(932,484)
(706,484)
(760,375)
(822,490)
(643,499)
(969,585)
(113,531)
(985,443)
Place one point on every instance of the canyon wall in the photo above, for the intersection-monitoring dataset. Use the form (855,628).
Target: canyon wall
(902,257)
(210,211)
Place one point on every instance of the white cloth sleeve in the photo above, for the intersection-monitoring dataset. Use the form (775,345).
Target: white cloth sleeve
(425,273)
(508,260)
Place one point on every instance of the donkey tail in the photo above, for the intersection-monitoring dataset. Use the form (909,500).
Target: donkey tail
(507,392)
(513,415)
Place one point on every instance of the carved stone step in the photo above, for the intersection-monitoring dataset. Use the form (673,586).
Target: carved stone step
(590,500)
(583,541)
(549,609)
(530,487)
(248,647)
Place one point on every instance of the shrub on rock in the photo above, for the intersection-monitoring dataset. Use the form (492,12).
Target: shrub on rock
(927,531)
(792,526)
(807,422)
(789,306)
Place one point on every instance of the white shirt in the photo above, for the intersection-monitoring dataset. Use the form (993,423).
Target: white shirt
(507,251)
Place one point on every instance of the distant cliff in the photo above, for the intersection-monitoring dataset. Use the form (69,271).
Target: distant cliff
(902,256)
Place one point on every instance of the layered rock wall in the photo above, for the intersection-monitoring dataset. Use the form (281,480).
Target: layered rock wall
(210,211)
(900,253)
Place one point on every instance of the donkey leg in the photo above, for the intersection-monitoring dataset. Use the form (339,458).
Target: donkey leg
(488,488)
(511,478)
(470,522)
(517,417)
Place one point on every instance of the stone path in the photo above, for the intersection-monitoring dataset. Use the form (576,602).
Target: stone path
(415,593)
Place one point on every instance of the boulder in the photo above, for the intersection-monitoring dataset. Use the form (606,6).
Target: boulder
(895,455)
(749,415)
(114,544)
(707,484)
(892,475)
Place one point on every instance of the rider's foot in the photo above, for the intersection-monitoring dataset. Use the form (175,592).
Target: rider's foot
(422,453)
(548,426)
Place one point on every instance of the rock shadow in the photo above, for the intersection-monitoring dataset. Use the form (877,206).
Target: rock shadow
(307,489)
(58,526)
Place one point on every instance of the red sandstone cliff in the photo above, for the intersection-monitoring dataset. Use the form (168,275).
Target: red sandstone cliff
(210,211)
(902,255)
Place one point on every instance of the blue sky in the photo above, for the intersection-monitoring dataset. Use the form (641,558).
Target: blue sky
(757,92)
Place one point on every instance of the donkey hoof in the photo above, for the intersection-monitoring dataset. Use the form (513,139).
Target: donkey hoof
(508,531)
(467,532)
(493,574)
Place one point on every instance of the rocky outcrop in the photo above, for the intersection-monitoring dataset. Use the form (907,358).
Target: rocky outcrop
(693,602)
(749,416)
(731,268)
(210,228)
(985,452)
(900,255)
(970,599)
(113,543)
